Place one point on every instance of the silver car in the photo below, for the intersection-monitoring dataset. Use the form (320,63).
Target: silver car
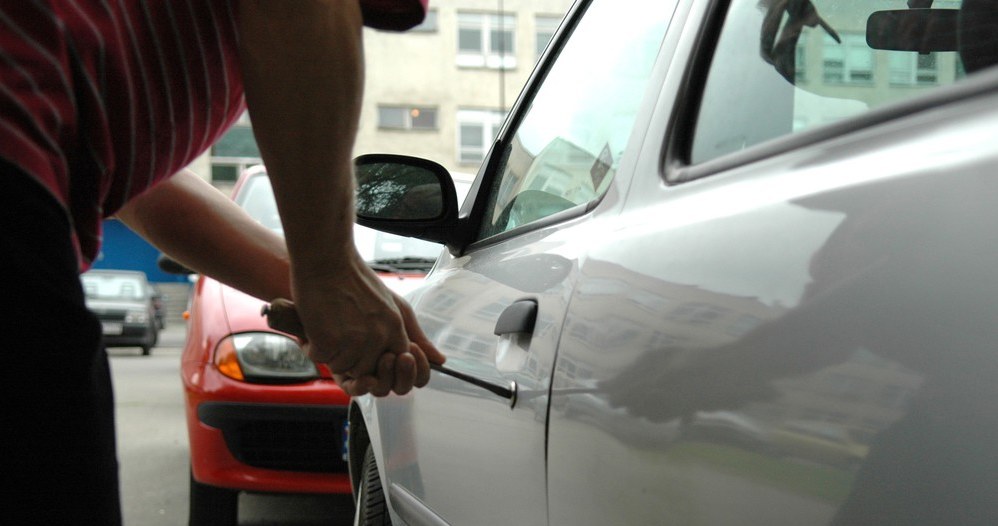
(728,262)
(125,303)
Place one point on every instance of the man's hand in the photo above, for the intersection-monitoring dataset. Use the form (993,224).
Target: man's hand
(365,333)
(302,66)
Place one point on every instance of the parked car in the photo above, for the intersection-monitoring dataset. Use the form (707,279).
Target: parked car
(261,417)
(122,301)
(773,211)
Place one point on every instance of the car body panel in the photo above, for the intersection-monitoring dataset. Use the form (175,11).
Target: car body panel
(769,289)
(457,307)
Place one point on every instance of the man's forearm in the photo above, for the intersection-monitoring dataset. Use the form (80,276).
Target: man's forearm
(199,226)
(302,66)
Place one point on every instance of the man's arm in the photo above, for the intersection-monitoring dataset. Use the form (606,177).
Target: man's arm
(302,66)
(206,231)
(197,225)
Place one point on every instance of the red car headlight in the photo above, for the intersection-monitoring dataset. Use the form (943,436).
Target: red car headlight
(264,357)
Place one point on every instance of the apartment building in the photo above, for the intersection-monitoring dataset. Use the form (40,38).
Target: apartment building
(439,91)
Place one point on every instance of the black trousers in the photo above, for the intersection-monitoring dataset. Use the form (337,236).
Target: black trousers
(57,441)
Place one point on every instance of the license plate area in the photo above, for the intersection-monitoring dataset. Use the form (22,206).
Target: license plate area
(111,328)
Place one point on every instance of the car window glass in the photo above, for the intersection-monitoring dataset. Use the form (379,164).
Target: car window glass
(566,149)
(113,287)
(782,66)
(257,198)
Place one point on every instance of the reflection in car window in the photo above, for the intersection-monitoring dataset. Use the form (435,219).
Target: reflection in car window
(799,64)
(565,151)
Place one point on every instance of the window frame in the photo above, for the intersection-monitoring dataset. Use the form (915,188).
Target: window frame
(486,57)
(913,71)
(495,159)
(849,61)
(473,212)
(430,23)
(549,24)
(488,119)
(407,118)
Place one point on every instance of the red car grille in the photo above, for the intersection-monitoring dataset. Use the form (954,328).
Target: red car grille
(281,437)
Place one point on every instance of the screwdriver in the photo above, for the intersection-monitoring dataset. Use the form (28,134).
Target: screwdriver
(282,315)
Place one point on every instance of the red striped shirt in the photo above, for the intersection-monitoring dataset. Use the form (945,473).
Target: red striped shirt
(101,99)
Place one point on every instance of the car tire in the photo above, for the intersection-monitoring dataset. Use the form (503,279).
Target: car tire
(211,505)
(371,510)
(153,340)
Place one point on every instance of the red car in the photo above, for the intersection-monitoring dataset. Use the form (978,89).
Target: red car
(261,416)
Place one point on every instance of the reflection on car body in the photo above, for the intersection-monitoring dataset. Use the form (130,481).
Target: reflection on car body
(823,442)
(768,297)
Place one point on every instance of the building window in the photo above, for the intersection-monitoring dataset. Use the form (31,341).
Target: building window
(486,40)
(234,152)
(476,130)
(544,29)
(407,118)
(848,62)
(913,69)
(429,24)
(224,172)
(238,141)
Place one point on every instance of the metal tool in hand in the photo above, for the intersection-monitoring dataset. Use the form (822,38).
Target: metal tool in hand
(282,316)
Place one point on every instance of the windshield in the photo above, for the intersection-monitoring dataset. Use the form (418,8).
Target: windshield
(808,63)
(102,286)
(400,253)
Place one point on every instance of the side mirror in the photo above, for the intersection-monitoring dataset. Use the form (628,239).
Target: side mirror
(918,30)
(407,196)
(171,266)
(400,192)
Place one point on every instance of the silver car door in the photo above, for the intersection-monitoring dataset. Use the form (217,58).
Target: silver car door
(455,452)
(794,320)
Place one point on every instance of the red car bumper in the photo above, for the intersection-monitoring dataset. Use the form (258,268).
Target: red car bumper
(295,445)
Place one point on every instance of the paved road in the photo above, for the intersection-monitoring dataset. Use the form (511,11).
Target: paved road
(152,449)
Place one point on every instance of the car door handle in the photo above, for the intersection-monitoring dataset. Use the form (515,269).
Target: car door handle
(519,317)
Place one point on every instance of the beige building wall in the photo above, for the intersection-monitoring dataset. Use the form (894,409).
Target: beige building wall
(422,69)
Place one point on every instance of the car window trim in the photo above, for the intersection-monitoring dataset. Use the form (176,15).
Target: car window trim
(476,203)
(675,167)
(472,213)
(544,222)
